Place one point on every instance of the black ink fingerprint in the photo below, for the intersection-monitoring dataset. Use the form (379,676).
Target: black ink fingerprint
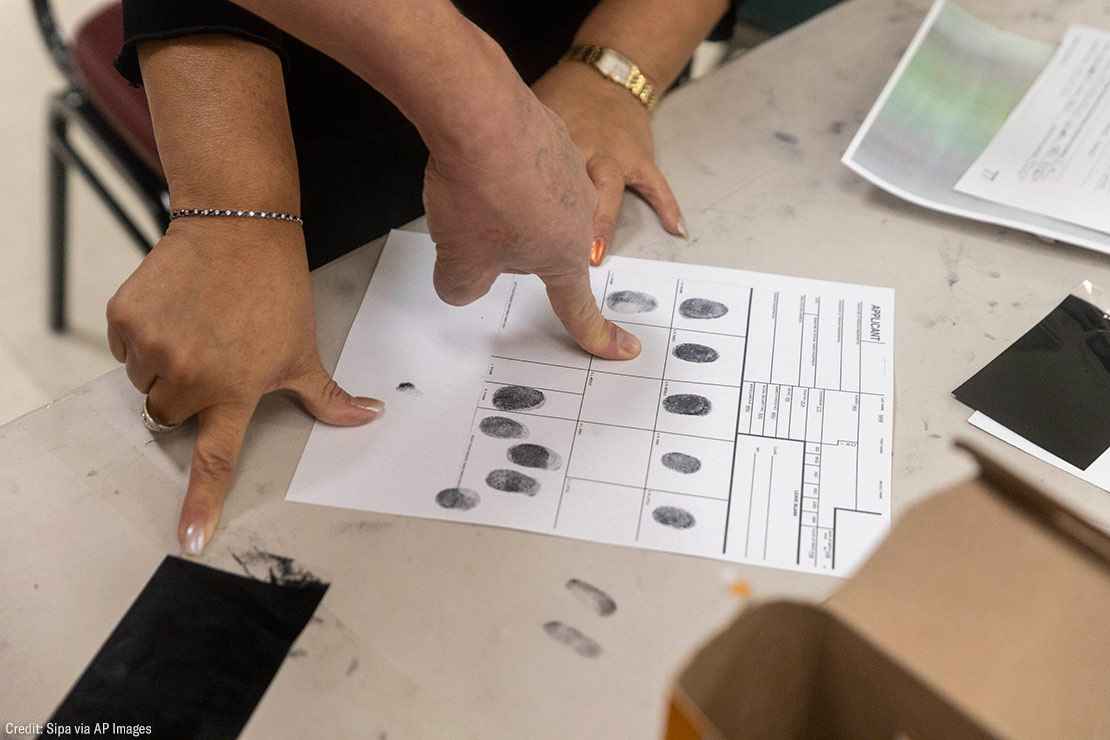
(502,428)
(517,397)
(680,462)
(572,638)
(631,301)
(687,404)
(534,456)
(462,499)
(592,596)
(702,308)
(786,138)
(672,516)
(510,481)
(409,388)
(691,352)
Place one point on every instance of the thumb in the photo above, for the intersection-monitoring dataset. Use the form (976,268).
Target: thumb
(324,399)
(609,181)
(461,278)
(654,188)
(220,431)
(574,303)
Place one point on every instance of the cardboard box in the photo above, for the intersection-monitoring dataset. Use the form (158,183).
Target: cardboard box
(985,613)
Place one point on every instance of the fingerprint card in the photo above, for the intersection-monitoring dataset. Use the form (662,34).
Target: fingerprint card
(755,426)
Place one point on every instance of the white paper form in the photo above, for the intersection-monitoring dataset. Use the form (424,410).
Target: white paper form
(755,426)
(953,90)
(1052,156)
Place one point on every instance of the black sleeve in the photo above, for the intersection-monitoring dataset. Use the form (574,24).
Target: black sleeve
(145,20)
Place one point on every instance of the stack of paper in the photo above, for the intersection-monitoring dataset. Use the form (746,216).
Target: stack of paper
(994,127)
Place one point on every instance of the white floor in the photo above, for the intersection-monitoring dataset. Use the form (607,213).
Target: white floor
(37,366)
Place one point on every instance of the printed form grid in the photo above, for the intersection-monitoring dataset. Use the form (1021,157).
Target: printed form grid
(777,447)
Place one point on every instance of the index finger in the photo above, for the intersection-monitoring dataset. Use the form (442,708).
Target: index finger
(220,432)
(573,302)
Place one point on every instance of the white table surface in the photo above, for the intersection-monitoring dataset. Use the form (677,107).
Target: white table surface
(433,629)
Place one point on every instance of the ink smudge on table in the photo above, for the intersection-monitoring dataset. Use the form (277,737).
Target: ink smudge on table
(592,596)
(572,638)
(277,569)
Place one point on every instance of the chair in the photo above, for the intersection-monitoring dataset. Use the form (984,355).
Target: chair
(114,116)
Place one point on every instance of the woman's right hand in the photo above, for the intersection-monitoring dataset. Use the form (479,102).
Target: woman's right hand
(217,315)
(522,202)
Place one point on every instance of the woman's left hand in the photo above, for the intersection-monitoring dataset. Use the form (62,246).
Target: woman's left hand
(613,130)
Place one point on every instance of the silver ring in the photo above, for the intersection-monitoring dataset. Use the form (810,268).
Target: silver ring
(153,424)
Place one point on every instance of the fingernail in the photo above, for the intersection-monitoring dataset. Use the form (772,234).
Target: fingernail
(194,539)
(372,405)
(629,343)
(682,228)
(597,251)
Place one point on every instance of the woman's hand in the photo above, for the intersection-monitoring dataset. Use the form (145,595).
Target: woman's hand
(521,203)
(613,131)
(218,314)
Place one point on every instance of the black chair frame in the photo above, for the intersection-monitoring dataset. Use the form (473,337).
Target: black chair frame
(72,105)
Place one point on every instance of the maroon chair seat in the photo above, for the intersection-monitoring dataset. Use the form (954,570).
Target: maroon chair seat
(95,46)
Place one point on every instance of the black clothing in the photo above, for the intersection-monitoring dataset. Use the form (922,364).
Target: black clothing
(361,162)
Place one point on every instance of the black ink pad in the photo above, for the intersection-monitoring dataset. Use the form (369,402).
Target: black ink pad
(193,655)
(1052,386)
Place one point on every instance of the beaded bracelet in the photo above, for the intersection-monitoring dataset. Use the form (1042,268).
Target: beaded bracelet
(271,215)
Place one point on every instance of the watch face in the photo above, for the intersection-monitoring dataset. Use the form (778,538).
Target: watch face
(614,66)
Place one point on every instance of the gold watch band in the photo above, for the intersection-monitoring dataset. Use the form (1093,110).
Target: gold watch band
(615,66)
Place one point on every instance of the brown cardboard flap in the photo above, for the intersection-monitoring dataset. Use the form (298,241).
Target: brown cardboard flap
(786,671)
(755,679)
(996,604)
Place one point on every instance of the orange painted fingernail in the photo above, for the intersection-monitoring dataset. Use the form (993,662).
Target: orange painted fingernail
(740,588)
(597,251)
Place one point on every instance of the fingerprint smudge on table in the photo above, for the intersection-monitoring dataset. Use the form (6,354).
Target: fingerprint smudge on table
(511,481)
(517,398)
(534,456)
(687,404)
(691,352)
(409,388)
(672,516)
(702,308)
(462,499)
(592,596)
(572,638)
(680,462)
(277,569)
(502,427)
(631,301)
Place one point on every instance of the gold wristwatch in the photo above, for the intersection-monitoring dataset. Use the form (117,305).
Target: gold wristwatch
(618,68)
